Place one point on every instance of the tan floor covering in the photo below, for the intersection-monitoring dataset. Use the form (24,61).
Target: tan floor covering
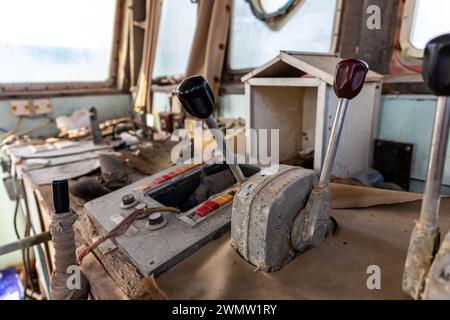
(377,235)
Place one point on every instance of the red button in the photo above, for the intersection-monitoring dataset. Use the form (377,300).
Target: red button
(162,179)
(167,177)
(158,180)
(206,208)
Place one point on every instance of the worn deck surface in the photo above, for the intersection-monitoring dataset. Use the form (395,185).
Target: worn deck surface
(377,235)
(334,270)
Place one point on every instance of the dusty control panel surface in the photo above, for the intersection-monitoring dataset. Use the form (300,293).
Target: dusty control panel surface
(155,244)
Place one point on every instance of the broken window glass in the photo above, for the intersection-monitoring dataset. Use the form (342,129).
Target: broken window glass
(50,41)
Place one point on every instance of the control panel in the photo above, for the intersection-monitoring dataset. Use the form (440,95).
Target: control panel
(156,242)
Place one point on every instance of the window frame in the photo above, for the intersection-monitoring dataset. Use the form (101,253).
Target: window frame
(408,49)
(155,80)
(75,87)
(333,45)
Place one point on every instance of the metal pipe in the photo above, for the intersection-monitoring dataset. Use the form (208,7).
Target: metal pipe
(25,243)
(235,169)
(333,143)
(431,198)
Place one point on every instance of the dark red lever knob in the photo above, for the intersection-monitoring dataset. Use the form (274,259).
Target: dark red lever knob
(436,65)
(349,78)
(196,96)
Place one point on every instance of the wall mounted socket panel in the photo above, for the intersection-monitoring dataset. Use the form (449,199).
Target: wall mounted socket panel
(42,107)
(20,108)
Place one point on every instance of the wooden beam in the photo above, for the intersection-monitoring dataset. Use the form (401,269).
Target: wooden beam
(285,82)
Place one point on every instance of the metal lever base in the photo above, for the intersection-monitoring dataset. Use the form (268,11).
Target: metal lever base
(425,237)
(437,285)
(314,222)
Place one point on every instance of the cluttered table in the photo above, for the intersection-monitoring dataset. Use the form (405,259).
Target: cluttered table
(93,170)
(95,167)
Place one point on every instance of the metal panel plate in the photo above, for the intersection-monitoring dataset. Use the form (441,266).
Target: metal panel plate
(154,252)
(394,161)
(69,170)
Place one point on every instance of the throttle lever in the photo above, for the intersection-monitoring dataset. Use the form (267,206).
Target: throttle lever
(348,82)
(198,100)
(425,236)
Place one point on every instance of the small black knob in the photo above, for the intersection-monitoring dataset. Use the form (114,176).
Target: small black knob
(196,96)
(436,65)
(155,219)
(128,199)
(61,201)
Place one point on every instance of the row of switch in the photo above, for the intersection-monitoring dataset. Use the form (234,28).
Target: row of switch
(212,205)
(168,176)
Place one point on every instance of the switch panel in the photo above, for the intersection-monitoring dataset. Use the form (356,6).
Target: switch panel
(161,240)
(20,108)
(42,107)
(25,108)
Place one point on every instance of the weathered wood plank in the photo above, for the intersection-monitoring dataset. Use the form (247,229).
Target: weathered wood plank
(116,264)
(101,284)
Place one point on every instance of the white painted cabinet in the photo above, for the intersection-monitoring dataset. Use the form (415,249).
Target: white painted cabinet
(294,93)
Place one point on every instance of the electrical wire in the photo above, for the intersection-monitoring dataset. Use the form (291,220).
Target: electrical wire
(122,227)
(28,229)
(25,251)
(16,230)
(16,212)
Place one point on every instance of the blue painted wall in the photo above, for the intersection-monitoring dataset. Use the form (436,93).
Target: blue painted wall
(409,118)
(108,106)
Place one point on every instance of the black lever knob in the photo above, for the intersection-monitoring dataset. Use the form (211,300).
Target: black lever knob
(349,78)
(61,202)
(196,96)
(436,65)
